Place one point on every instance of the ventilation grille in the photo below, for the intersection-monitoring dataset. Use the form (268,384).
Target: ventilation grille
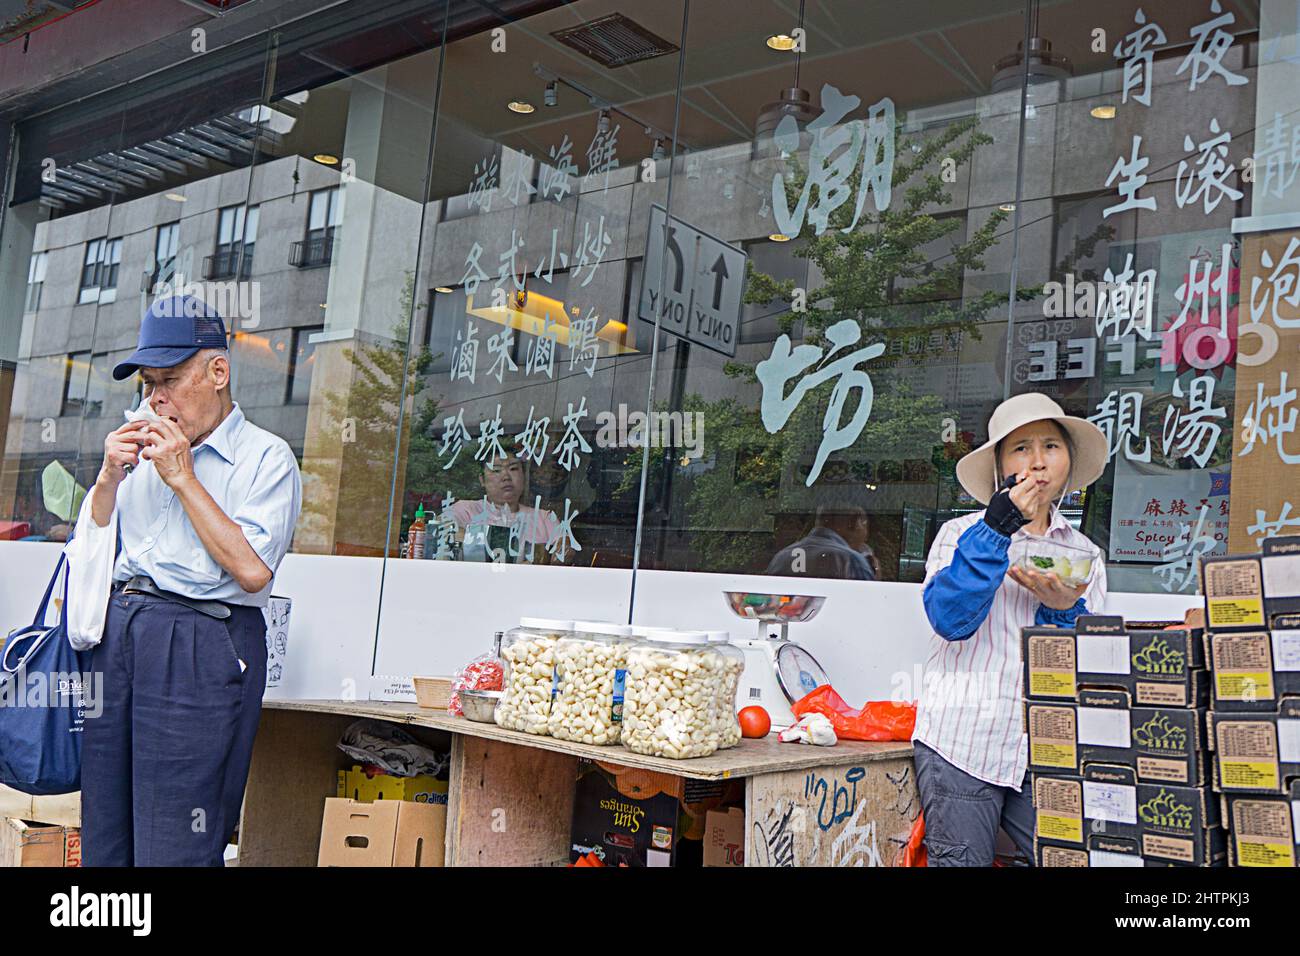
(614,41)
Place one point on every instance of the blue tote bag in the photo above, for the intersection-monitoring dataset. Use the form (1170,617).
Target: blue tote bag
(42,704)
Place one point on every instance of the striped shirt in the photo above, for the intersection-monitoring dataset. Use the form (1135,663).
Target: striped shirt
(970,709)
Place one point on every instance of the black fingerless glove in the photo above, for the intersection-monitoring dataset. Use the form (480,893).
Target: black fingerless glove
(1002,515)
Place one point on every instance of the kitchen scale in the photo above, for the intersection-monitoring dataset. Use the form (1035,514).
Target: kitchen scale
(778,671)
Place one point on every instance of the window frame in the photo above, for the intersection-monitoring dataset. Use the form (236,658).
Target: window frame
(74,406)
(298,337)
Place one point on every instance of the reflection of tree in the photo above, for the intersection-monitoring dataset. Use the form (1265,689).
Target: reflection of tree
(365,413)
(730,502)
(882,275)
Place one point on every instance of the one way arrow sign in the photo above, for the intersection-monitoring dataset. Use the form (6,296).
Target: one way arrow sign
(696,290)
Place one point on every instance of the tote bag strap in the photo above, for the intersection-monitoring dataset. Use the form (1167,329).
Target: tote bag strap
(39,620)
(33,637)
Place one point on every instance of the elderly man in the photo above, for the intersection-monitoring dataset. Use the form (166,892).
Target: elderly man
(206,505)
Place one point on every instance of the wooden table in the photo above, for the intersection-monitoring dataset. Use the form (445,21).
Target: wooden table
(510,798)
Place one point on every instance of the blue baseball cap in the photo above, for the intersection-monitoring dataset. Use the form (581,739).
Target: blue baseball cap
(172,331)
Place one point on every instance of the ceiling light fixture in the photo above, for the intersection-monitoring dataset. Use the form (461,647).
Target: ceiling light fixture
(326,159)
(782,42)
(1043,65)
(176,197)
(1008,207)
(602,122)
(1103,112)
(520,106)
(794,102)
(658,152)
(443,289)
(779,237)
(551,95)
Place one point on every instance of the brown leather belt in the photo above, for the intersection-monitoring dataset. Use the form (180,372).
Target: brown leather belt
(143,584)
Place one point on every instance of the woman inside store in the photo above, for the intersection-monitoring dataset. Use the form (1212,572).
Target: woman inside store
(499,526)
(971,749)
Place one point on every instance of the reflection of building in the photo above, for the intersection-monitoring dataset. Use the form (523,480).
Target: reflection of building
(362,188)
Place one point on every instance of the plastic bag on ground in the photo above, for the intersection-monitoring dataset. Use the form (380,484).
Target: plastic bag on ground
(874,720)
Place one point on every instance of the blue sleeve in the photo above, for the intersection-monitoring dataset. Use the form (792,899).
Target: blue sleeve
(958,597)
(1050,617)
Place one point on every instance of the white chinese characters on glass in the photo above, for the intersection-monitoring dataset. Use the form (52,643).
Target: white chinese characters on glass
(784,364)
(1137,52)
(1210,42)
(1119,416)
(1131,178)
(1208,182)
(834,156)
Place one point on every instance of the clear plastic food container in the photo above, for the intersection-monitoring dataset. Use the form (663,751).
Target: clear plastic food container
(642,631)
(529,653)
(590,677)
(734,665)
(674,683)
(1072,564)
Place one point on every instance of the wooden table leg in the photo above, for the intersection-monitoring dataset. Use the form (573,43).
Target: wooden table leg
(850,815)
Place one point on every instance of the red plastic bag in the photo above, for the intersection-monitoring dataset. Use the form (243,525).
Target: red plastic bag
(875,720)
(484,672)
(914,853)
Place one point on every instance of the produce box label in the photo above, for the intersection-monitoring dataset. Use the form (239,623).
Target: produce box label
(1168,848)
(1169,771)
(1112,802)
(1051,666)
(1059,809)
(1248,754)
(1263,832)
(620,682)
(1234,593)
(1052,738)
(1161,695)
(1063,856)
(1243,666)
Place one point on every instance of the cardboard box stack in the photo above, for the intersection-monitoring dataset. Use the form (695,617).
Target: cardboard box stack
(1116,717)
(1252,610)
(378,819)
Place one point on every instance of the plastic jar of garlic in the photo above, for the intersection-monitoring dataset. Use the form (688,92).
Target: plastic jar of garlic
(529,653)
(674,681)
(734,665)
(590,676)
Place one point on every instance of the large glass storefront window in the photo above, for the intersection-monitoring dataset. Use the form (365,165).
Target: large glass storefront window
(569,291)
(1154,174)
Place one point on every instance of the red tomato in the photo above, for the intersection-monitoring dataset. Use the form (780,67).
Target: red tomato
(754,722)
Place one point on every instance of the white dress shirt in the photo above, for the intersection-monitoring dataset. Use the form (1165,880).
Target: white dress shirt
(253,477)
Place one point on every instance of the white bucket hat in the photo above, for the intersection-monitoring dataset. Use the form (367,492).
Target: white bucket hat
(977,470)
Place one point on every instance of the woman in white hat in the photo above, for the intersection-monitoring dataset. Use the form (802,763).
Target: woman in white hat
(971,750)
